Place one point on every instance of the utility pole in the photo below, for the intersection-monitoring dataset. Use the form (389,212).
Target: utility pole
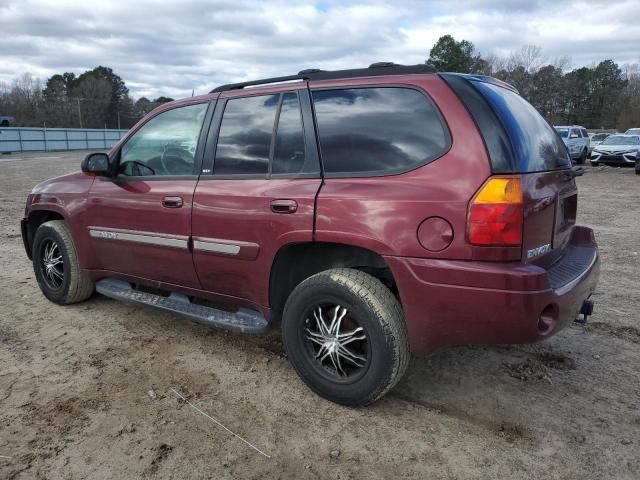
(79,112)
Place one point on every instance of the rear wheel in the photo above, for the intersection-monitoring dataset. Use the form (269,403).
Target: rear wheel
(637,167)
(345,336)
(56,266)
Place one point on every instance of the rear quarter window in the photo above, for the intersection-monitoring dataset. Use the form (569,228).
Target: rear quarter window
(536,146)
(377,131)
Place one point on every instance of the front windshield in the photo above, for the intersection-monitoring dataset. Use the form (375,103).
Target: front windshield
(563,132)
(621,140)
(600,136)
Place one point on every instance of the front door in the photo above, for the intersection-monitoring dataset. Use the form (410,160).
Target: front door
(260,196)
(139,222)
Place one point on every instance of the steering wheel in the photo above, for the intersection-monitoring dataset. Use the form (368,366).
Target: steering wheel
(171,150)
(139,165)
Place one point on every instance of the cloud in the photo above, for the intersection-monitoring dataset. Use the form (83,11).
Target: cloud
(170,48)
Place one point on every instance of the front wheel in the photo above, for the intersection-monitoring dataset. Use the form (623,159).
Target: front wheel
(637,167)
(56,266)
(345,336)
(582,158)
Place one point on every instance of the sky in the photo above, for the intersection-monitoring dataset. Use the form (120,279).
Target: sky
(173,47)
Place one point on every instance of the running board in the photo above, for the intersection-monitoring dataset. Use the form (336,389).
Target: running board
(244,320)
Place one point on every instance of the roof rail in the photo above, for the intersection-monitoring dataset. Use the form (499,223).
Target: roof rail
(375,69)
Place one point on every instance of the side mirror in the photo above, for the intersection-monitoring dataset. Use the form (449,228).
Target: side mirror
(96,163)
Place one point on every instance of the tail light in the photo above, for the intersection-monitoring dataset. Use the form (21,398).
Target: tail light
(496,213)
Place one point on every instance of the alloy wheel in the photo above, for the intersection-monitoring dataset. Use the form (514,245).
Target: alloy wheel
(337,343)
(52,264)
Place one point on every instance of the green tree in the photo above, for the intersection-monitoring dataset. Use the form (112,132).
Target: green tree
(160,100)
(449,55)
(547,88)
(105,81)
(577,107)
(607,85)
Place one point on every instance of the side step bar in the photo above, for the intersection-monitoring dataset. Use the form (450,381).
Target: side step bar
(244,320)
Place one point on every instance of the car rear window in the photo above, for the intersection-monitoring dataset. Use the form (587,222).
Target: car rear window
(377,131)
(536,146)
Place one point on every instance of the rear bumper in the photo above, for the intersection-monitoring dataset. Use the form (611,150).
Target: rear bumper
(449,302)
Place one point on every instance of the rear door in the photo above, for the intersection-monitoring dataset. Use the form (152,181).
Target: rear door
(259,192)
(139,222)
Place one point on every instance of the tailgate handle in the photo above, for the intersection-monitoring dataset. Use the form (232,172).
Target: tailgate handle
(172,202)
(284,206)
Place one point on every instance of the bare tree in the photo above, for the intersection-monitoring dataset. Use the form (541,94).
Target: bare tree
(528,57)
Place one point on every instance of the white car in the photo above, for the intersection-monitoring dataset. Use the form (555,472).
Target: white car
(596,139)
(633,131)
(618,150)
(576,140)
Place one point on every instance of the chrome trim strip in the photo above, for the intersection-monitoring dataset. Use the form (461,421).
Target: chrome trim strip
(147,239)
(216,247)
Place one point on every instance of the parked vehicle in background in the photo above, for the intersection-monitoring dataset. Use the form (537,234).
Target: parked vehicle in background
(370,213)
(596,139)
(6,121)
(618,150)
(576,140)
(633,131)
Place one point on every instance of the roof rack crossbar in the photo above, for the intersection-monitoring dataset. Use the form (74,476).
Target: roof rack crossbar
(376,69)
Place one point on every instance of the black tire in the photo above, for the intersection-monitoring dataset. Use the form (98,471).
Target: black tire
(63,282)
(582,158)
(594,164)
(370,305)
(637,167)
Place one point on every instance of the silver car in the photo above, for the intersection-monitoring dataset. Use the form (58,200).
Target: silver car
(633,131)
(618,150)
(576,140)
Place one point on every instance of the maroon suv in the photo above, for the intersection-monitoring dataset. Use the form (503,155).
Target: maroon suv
(370,213)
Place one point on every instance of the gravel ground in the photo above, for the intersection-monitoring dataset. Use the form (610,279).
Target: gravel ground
(85,390)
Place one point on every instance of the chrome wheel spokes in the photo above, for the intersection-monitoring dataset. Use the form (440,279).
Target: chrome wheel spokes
(335,348)
(52,264)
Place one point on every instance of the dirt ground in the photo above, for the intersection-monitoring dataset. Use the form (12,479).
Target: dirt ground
(85,390)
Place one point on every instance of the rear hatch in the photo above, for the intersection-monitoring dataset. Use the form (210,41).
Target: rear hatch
(520,141)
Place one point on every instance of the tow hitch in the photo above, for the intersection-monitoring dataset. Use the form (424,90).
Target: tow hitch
(586,310)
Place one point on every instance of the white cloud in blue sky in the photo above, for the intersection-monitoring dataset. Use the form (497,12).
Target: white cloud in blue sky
(172,47)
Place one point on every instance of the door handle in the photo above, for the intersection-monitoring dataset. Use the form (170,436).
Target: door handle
(172,202)
(284,206)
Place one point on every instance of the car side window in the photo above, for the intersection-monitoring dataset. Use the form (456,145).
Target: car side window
(585,134)
(288,154)
(165,145)
(244,141)
(377,130)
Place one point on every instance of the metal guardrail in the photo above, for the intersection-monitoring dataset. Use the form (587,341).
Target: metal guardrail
(19,139)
